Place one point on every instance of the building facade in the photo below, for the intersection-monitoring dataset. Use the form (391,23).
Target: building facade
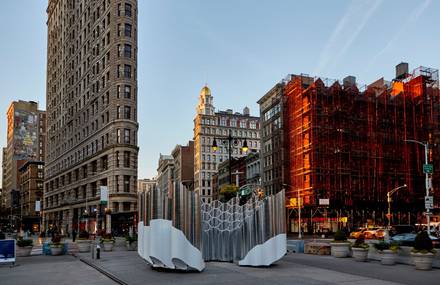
(25,142)
(273,152)
(184,165)
(146,185)
(31,194)
(253,169)
(210,125)
(165,172)
(347,145)
(91,113)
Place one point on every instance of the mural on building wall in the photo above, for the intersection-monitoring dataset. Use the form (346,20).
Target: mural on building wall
(25,135)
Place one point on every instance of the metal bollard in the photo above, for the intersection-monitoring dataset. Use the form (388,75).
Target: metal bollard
(98,251)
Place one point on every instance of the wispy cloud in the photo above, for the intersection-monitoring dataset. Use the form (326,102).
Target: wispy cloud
(349,27)
(414,16)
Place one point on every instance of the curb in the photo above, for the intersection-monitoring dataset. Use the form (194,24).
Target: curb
(102,270)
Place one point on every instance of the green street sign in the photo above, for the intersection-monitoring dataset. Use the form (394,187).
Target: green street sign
(428,168)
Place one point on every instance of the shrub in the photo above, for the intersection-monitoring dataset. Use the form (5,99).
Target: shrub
(383,245)
(228,192)
(56,239)
(423,243)
(83,235)
(360,242)
(340,236)
(107,238)
(131,239)
(24,242)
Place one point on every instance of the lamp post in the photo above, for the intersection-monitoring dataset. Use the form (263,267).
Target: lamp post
(389,193)
(427,184)
(230,141)
(299,210)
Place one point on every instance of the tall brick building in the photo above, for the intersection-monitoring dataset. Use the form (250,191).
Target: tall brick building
(346,143)
(92,112)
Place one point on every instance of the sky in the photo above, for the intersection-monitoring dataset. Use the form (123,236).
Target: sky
(240,48)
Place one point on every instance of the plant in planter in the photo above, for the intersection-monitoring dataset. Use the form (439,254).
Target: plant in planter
(56,247)
(131,242)
(388,252)
(83,241)
(340,247)
(24,247)
(360,249)
(107,242)
(423,251)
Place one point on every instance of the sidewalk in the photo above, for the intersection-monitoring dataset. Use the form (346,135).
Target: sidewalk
(59,270)
(292,269)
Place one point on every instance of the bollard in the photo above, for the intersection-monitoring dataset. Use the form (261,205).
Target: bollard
(98,251)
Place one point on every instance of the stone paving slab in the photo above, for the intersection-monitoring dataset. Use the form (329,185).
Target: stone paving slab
(130,268)
(47,270)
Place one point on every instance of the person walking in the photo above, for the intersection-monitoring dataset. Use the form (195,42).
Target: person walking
(73,235)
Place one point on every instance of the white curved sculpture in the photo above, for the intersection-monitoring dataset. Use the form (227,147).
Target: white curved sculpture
(267,253)
(162,245)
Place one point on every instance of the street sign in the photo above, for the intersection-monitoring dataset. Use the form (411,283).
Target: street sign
(7,251)
(429,202)
(428,168)
(104,194)
(324,202)
(429,183)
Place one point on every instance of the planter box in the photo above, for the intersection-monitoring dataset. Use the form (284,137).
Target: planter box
(423,261)
(83,245)
(23,251)
(132,246)
(360,254)
(56,250)
(340,249)
(388,257)
(108,245)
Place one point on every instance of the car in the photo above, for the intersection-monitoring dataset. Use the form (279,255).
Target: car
(374,233)
(401,229)
(407,239)
(357,233)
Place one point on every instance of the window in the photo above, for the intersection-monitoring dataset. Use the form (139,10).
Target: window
(127,30)
(127,71)
(126,159)
(117,158)
(242,124)
(126,183)
(118,112)
(127,112)
(127,50)
(127,92)
(118,136)
(126,136)
(128,10)
(118,91)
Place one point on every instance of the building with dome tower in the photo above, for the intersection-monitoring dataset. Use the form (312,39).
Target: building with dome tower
(209,125)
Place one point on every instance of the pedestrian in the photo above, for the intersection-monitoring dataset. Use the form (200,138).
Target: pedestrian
(73,235)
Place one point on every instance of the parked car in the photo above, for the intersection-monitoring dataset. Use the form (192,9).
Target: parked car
(356,233)
(401,229)
(407,239)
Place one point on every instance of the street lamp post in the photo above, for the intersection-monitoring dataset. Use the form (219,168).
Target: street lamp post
(427,184)
(230,141)
(389,193)
(299,210)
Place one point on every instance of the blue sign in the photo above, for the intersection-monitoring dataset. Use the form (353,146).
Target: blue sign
(7,251)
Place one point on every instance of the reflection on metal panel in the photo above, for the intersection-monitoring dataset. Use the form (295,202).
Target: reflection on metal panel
(230,231)
(222,231)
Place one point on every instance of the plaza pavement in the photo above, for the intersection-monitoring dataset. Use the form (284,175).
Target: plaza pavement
(129,268)
(126,267)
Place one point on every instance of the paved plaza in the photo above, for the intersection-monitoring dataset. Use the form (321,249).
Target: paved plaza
(127,268)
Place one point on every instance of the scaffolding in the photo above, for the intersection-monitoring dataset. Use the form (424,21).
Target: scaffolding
(346,143)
